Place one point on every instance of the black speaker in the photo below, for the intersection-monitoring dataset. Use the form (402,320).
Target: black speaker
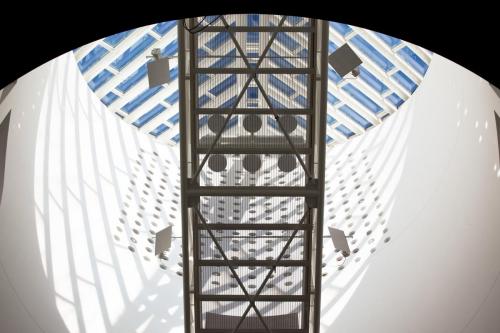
(344,61)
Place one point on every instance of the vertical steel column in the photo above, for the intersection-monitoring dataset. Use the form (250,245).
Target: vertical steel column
(311,125)
(193,84)
(321,108)
(183,131)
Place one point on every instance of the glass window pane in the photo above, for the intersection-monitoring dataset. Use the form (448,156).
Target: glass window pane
(131,53)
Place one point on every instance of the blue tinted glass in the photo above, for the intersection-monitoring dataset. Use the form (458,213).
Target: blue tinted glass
(91,58)
(395,99)
(158,130)
(140,99)
(362,98)
(278,60)
(413,59)
(225,61)
(252,37)
(109,98)
(301,121)
(149,115)
(253,56)
(202,100)
(301,100)
(174,73)
(221,87)
(202,78)
(330,120)
(176,138)
(272,122)
(391,41)
(253,20)
(280,85)
(405,81)
(203,121)
(294,20)
(329,139)
(170,49)
(275,104)
(287,41)
(372,53)
(372,80)
(332,75)
(132,52)
(201,53)
(355,116)
(331,47)
(304,53)
(100,79)
(133,79)
(253,92)
(302,78)
(218,40)
(164,27)
(342,28)
(332,99)
(345,131)
(172,99)
(117,38)
(174,119)
(232,122)
(229,103)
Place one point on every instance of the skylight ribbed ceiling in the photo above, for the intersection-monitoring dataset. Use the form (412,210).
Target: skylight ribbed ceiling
(115,69)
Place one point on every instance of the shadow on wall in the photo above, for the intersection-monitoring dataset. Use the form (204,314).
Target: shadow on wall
(4,133)
(7,90)
(496,90)
(27,302)
(362,176)
(82,158)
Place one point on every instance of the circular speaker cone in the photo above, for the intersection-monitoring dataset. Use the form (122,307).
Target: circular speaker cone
(252,123)
(215,122)
(252,163)
(289,123)
(217,163)
(287,163)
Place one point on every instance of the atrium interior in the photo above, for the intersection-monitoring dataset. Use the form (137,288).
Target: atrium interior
(212,197)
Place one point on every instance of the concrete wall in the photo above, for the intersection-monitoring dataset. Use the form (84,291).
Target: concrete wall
(83,191)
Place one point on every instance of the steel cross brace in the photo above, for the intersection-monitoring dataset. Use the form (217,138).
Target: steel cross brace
(240,96)
(256,79)
(221,250)
(268,276)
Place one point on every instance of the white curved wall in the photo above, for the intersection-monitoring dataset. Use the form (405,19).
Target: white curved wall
(66,266)
(440,179)
(428,177)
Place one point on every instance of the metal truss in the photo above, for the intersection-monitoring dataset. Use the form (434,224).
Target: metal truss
(232,303)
